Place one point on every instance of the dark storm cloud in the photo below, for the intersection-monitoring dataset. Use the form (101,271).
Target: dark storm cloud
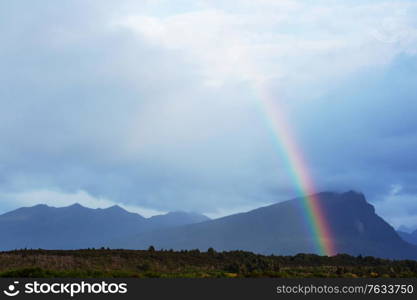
(89,108)
(363,135)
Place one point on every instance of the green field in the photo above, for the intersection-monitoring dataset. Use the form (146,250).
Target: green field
(93,263)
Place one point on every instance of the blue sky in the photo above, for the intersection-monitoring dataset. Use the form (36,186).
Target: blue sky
(152,105)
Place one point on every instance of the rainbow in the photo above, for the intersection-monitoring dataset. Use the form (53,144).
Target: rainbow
(314,214)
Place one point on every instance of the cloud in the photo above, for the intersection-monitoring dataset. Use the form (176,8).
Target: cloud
(283,41)
(399,208)
(105,112)
(155,105)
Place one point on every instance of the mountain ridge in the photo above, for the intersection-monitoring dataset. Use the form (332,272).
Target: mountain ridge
(408,237)
(280,228)
(76,226)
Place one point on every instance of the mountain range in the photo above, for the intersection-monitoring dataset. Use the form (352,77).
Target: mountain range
(281,229)
(75,226)
(275,229)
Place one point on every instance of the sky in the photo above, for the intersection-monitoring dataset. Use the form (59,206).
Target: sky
(155,105)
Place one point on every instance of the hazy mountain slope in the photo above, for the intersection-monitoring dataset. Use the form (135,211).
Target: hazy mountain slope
(281,229)
(409,237)
(176,218)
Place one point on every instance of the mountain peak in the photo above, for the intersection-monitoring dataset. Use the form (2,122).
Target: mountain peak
(76,205)
(350,198)
(115,208)
(354,195)
(39,206)
(349,194)
(178,218)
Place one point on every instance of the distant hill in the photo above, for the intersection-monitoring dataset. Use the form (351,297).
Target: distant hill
(75,226)
(280,229)
(176,218)
(408,237)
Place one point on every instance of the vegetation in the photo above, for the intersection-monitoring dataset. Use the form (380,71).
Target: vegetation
(93,263)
